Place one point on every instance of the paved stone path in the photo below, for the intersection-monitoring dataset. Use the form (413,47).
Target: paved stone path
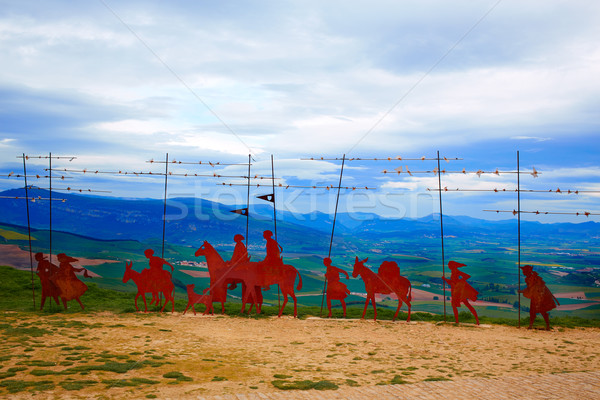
(580,385)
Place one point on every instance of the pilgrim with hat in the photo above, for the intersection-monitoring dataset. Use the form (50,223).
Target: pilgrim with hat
(46,272)
(240,253)
(541,299)
(71,288)
(461,290)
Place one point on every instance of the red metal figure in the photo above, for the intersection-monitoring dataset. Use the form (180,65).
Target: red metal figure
(387,280)
(252,275)
(336,290)
(461,291)
(71,288)
(156,274)
(145,284)
(271,265)
(240,253)
(195,298)
(541,298)
(47,271)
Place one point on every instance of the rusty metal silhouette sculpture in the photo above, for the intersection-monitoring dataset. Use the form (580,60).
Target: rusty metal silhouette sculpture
(387,280)
(46,272)
(239,257)
(461,290)
(195,298)
(336,290)
(146,283)
(541,298)
(252,274)
(71,288)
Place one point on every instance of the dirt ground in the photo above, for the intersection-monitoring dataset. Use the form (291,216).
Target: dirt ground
(184,356)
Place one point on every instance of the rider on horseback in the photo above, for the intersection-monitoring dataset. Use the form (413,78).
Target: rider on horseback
(273,261)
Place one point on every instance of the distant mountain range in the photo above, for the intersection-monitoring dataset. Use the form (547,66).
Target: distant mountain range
(192,220)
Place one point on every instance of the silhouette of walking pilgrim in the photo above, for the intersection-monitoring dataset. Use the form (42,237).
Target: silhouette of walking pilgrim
(71,288)
(461,290)
(541,298)
(46,272)
(336,290)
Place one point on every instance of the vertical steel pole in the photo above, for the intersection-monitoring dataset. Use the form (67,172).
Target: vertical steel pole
(519,234)
(165,206)
(337,200)
(248,201)
(442,231)
(50,204)
(28,229)
(275,222)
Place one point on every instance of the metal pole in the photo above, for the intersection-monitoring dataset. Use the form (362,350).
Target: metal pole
(337,200)
(165,207)
(274,207)
(519,234)
(248,201)
(50,204)
(28,229)
(442,231)
(275,222)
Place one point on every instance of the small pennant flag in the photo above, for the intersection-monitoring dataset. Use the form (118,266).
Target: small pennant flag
(267,197)
(241,211)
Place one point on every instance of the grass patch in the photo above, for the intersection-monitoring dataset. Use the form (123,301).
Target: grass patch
(219,379)
(179,376)
(14,386)
(132,382)
(76,385)
(398,380)
(304,385)
(436,378)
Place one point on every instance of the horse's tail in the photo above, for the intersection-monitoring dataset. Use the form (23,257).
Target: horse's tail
(299,287)
(409,297)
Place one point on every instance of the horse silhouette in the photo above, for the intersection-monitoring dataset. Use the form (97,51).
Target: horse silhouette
(387,280)
(195,298)
(145,285)
(253,275)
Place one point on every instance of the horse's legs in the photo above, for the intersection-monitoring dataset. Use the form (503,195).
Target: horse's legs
(64,301)
(295,302)
(397,308)
(244,290)
(285,300)
(365,309)
(343,306)
(79,301)
(408,305)
(56,300)
(329,307)
(43,301)
(374,307)
(470,307)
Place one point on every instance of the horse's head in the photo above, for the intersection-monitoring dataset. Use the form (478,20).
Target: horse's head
(127,274)
(202,250)
(358,266)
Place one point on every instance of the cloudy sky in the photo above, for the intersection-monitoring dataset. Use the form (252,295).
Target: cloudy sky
(120,83)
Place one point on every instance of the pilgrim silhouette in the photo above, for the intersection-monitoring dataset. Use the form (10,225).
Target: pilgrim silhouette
(336,290)
(541,298)
(46,272)
(461,291)
(71,288)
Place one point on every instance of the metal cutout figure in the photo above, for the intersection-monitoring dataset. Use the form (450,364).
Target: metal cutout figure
(146,283)
(387,280)
(47,272)
(71,288)
(541,298)
(461,291)
(336,290)
(252,274)
(195,298)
